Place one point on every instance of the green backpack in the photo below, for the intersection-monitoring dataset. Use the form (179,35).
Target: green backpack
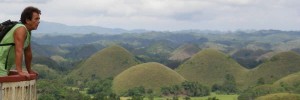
(4,28)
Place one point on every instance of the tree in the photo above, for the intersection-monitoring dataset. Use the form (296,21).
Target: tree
(136,91)
(260,81)
(229,85)
(186,88)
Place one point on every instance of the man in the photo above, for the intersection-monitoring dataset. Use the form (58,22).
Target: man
(20,34)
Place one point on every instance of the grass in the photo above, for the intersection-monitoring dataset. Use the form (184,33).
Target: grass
(108,62)
(210,66)
(218,96)
(280,96)
(149,75)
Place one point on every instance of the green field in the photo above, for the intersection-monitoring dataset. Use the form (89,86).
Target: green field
(220,97)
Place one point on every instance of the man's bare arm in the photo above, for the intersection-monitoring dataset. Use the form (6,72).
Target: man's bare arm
(28,58)
(19,39)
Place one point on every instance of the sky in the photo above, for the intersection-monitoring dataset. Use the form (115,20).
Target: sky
(164,15)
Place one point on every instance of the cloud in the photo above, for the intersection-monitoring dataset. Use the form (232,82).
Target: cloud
(165,14)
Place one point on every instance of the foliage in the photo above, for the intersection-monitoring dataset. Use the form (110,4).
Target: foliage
(136,91)
(192,89)
(280,96)
(248,58)
(228,87)
(57,91)
(213,98)
(260,81)
(254,92)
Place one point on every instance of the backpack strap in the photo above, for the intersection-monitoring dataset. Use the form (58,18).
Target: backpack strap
(6,61)
(7,44)
(10,45)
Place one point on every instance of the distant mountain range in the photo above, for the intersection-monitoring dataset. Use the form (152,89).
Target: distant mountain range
(59,29)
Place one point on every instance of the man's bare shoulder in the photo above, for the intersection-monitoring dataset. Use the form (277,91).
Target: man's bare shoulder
(20,30)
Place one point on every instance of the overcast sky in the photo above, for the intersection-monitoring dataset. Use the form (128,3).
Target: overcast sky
(164,14)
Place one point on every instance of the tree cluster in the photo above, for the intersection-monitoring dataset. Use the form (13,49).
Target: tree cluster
(193,89)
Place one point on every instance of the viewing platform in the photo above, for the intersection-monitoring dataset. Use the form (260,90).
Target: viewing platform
(15,87)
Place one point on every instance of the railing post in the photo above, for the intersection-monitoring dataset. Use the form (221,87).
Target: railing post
(15,87)
(1,91)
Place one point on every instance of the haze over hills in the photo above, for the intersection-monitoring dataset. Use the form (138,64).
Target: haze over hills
(60,29)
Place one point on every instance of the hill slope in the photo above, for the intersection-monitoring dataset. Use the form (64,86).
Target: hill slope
(291,80)
(150,75)
(277,67)
(105,63)
(280,96)
(183,52)
(210,67)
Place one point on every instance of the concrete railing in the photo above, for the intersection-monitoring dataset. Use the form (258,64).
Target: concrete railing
(15,87)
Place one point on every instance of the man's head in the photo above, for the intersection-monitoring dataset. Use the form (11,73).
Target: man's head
(30,17)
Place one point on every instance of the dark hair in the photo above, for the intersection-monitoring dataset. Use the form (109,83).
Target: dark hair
(28,12)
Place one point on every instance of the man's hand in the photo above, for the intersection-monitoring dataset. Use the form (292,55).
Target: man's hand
(24,74)
(33,72)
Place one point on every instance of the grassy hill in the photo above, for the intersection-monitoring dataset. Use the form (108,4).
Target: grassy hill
(292,79)
(248,57)
(161,47)
(149,75)
(45,72)
(277,67)
(46,50)
(288,84)
(280,96)
(105,63)
(81,52)
(183,52)
(210,66)
(46,61)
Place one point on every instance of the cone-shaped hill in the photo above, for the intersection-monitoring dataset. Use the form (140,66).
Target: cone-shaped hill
(277,67)
(291,79)
(108,62)
(280,96)
(210,67)
(149,75)
(183,52)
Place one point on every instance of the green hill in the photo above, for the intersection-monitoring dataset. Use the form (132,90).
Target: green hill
(291,80)
(81,52)
(277,67)
(210,66)
(45,72)
(108,62)
(248,57)
(149,75)
(47,61)
(160,47)
(46,50)
(183,52)
(288,84)
(280,96)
